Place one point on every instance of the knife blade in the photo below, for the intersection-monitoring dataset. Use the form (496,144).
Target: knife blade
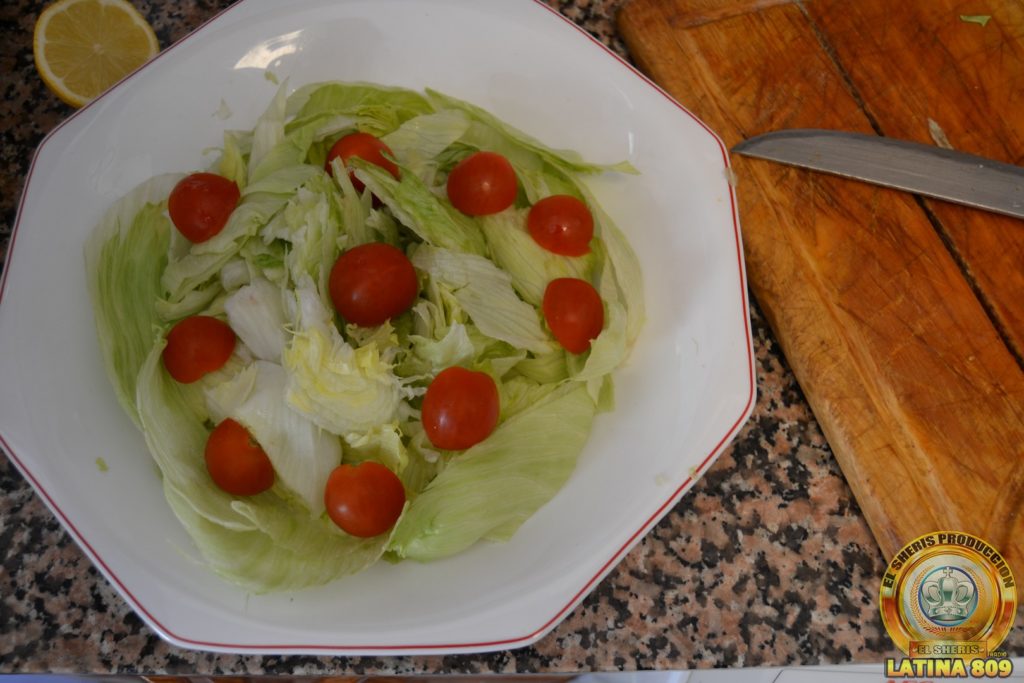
(922,169)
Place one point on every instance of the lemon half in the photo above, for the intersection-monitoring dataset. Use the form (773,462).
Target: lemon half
(82,47)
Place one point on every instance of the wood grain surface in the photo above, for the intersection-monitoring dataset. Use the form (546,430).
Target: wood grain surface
(902,319)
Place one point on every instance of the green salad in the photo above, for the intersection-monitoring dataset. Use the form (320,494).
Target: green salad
(379,326)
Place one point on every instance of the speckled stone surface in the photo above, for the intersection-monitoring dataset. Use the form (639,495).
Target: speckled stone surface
(766,561)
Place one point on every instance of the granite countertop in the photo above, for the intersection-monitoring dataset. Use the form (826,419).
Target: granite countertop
(766,561)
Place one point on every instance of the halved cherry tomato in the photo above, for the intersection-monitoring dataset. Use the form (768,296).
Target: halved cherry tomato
(235,461)
(372,283)
(460,408)
(365,500)
(481,184)
(561,224)
(200,205)
(367,148)
(196,346)
(574,312)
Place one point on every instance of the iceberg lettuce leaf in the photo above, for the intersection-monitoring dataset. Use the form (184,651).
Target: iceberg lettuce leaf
(281,551)
(268,133)
(124,257)
(232,164)
(531,266)
(256,314)
(264,542)
(172,417)
(625,266)
(418,142)
(416,207)
(330,98)
(562,157)
(490,489)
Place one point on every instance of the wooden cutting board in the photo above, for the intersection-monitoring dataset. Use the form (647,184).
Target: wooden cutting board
(902,319)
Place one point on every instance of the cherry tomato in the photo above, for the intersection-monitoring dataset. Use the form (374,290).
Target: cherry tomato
(574,312)
(367,148)
(460,408)
(196,346)
(561,224)
(235,461)
(481,184)
(365,500)
(372,283)
(200,205)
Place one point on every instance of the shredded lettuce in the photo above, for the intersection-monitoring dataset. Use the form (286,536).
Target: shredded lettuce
(340,388)
(315,393)
(485,292)
(382,443)
(311,224)
(205,260)
(455,348)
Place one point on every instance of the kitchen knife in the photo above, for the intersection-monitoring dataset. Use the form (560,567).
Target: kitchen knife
(923,169)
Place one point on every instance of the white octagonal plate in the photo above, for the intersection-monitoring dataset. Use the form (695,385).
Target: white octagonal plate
(687,389)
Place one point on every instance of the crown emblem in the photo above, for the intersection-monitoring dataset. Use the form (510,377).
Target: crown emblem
(947,599)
